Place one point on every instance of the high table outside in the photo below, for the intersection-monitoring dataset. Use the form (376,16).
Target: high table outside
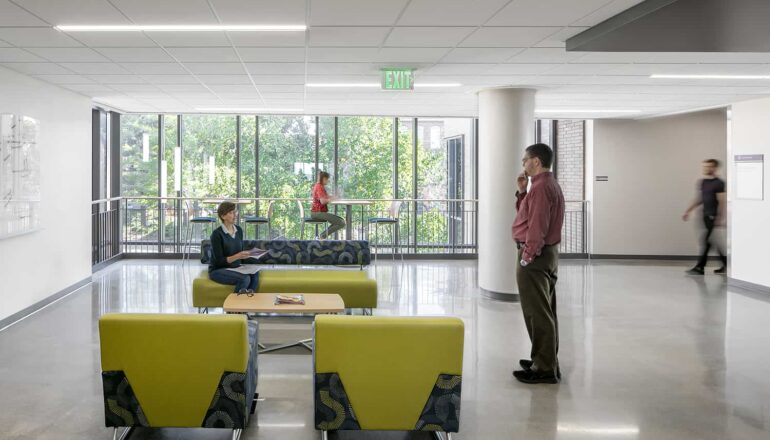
(349,203)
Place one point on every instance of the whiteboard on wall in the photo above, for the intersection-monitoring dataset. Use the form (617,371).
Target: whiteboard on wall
(750,177)
(19,175)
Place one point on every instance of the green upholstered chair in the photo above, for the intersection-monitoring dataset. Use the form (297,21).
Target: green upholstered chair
(387,373)
(163,370)
(357,290)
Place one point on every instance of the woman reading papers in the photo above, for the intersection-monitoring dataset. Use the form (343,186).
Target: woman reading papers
(228,256)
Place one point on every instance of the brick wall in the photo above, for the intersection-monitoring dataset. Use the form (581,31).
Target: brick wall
(569,171)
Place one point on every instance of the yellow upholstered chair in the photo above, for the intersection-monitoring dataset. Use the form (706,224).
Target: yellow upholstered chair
(163,370)
(387,373)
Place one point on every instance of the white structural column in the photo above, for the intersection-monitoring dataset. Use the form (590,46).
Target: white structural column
(506,128)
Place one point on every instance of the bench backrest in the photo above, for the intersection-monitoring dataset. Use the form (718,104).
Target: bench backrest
(308,252)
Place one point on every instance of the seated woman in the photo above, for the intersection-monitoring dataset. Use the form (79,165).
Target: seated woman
(227,253)
(319,209)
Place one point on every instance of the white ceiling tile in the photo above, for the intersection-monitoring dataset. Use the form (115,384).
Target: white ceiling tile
(173,88)
(203,54)
(545,12)
(155,68)
(268,39)
(460,69)
(522,69)
(342,54)
(357,12)
(544,55)
(37,37)
(559,38)
(138,88)
(584,69)
(288,89)
(371,78)
(610,10)
(707,57)
(348,36)
(341,68)
(4,44)
(118,79)
(136,55)
(449,12)
(190,39)
(12,15)
(410,55)
(66,79)
(74,11)
(167,11)
(427,36)
(171,79)
(260,11)
(480,54)
(270,55)
(278,79)
(96,68)
(88,89)
(611,57)
(276,68)
(112,39)
(69,54)
(224,79)
(223,89)
(508,36)
(216,68)
(37,68)
(13,55)
(642,69)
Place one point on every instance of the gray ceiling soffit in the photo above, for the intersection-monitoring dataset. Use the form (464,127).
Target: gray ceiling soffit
(681,26)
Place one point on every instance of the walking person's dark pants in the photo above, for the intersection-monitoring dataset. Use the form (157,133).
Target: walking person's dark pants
(537,293)
(240,280)
(708,222)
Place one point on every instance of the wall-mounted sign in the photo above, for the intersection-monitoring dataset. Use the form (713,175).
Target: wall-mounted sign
(398,79)
(750,176)
(602,178)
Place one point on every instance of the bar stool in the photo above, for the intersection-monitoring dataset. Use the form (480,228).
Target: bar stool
(392,221)
(310,220)
(257,220)
(202,221)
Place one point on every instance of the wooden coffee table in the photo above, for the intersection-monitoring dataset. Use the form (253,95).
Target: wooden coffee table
(315,303)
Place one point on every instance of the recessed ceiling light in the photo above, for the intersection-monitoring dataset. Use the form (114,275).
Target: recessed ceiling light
(180,28)
(666,76)
(569,111)
(248,110)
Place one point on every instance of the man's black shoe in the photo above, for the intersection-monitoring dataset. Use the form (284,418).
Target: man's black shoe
(695,271)
(721,270)
(529,376)
(527,365)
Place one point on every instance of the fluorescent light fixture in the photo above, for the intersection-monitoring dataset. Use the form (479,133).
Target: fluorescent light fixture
(145,147)
(177,169)
(375,85)
(181,28)
(590,111)
(248,110)
(666,76)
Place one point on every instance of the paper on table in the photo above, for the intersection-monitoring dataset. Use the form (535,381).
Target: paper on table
(246,269)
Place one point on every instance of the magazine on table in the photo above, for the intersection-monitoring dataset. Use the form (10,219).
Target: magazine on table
(246,269)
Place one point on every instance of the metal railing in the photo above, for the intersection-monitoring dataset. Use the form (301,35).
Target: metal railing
(154,225)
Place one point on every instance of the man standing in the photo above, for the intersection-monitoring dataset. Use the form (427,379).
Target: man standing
(537,232)
(711,194)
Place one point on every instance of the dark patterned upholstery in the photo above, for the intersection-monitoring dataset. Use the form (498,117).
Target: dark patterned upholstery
(308,252)
(332,406)
(121,408)
(442,411)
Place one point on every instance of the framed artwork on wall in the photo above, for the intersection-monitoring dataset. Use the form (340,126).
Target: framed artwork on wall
(19,175)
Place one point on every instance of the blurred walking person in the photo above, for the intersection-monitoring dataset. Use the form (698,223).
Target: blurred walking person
(711,195)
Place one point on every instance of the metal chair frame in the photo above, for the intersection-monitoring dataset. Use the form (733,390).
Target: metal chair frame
(304,220)
(391,220)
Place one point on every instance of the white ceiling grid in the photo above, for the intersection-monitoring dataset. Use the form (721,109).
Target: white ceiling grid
(478,43)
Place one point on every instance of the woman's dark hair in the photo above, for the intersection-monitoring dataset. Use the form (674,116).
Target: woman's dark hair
(225,208)
(713,162)
(322,175)
(542,152)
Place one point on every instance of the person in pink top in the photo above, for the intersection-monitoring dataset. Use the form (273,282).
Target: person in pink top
(537,233)
(319,210)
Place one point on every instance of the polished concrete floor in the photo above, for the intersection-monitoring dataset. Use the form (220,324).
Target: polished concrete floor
(646,352)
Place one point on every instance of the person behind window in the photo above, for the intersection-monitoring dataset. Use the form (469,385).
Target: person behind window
(320,211)
(227,253)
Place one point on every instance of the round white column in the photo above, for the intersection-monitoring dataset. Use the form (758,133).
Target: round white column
(506,129)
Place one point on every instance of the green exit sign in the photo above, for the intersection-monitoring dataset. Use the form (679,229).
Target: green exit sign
(398,79)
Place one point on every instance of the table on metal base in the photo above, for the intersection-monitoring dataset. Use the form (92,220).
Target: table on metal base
(263,305)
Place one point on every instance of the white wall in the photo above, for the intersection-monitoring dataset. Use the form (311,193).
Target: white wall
(749,219)
(653,166)
(37,265)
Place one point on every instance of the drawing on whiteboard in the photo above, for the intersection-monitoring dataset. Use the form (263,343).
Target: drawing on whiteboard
(19,175)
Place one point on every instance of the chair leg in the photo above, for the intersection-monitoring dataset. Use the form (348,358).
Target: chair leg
(324,435)
(237,434)
(122,436)
(438,435)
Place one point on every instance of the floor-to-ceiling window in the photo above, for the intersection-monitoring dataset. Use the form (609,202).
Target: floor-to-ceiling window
(139,153)
(208,159)
(365,157)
